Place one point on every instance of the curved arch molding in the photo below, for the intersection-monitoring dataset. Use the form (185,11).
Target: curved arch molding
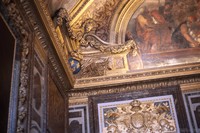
(121,19)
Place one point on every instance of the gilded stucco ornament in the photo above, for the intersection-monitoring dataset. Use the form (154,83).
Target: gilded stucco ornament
(102,12)
(85,38)
(63,18)
(95,42)
(140,117)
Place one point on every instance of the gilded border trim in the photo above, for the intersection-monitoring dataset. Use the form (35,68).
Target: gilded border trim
(121,23)
(79,9)
(129,87)
(48,23)
(141,76)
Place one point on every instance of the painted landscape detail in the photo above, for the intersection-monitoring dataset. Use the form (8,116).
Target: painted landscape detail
(167,32)
(146,115)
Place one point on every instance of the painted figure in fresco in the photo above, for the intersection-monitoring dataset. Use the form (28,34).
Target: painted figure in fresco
(186,22)
(185,15)
(166,11)
(164,32)
(187,34)
(145,31)
(173,25)
(153,31)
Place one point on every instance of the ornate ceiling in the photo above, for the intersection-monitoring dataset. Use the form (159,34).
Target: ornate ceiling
(99,41)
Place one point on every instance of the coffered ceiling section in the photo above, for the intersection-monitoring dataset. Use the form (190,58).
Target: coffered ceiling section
(121,41)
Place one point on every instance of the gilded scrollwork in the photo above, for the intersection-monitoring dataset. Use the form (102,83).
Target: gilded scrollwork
(101,12)
(96,24)
(140,117)
(85,38)
(97,43)
(63,18)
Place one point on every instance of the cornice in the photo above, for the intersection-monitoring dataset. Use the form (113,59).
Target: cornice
(174,71)
(190,87)
(54,39)
(44,40)
(190,80)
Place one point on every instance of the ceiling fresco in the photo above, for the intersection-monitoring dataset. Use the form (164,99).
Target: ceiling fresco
(166,32)
(102,38)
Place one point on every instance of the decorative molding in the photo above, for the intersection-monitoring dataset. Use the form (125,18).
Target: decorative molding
(24,37)
(192,104)
(40,51)
(58,46)
(79,9)
(137,85)
(78,101)
(55,78)
(190,87)
(115,16)
(140,76)
(120,23)
(44,40)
